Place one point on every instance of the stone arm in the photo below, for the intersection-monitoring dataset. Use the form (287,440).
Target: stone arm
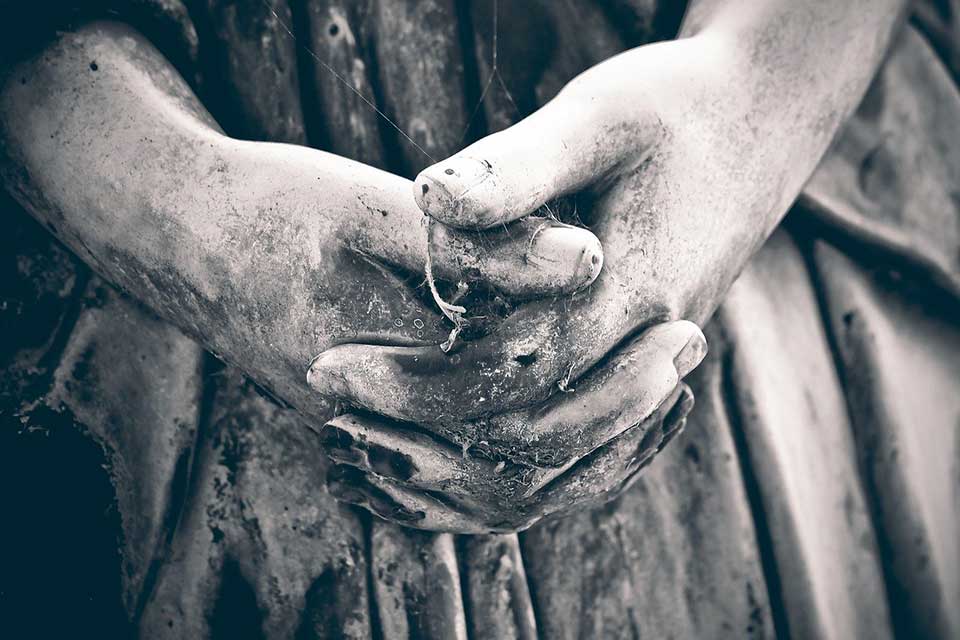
(266,253)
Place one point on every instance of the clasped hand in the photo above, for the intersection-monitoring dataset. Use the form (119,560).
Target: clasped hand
(569,396)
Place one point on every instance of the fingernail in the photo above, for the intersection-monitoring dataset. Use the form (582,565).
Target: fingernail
(558,246)
(460,191)
(352,485)
(691,355)
(347,456)
(433,196)
(347,484)
(389,509)
(347,476)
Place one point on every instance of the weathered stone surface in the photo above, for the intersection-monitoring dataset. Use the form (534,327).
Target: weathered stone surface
(347,123)
(252,76)
(260,545)
(58,543)
(421,75)
(261,548)
(168,25)
(901,364)
(133,382)
(891,176)
(40,282)
(939,21)
(643,21)
(527,51)
(801,450)
(416,583)
(496,594)
(676,556)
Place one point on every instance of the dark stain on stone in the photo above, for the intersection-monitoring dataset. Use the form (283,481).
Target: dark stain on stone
(848,319)
(319,618)
(333,438)
(391,463)
(422,364)
(236,614)
(178,495)
(526,359)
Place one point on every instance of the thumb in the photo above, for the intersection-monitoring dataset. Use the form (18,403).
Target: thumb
(575,140)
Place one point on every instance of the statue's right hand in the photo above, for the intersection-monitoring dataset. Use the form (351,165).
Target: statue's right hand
(267,253)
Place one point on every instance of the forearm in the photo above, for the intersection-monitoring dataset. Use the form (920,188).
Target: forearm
(801,68)
(104,145)
(266,253)
(109,148)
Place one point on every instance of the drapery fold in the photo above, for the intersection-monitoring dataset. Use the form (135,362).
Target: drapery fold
(813,492)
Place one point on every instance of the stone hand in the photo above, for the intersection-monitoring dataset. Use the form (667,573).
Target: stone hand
(673,179)
(684,159)
(611,426)
(267,253)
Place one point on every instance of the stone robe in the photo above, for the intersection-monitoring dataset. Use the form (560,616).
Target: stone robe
(815,492)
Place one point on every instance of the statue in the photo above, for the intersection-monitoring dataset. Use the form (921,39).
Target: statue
(504,339)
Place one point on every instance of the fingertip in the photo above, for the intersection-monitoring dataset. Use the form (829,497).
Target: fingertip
(433,197)
(693,351)
(587,253)
(568,258)
(461,192)
(534,257)
(322,374)
(375,377)
(681,340)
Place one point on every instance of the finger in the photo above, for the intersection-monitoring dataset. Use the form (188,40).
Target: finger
(637,381)
(417,461)
(537,257)
(530,258)
(572,141)
(375,445)
(603,475)
(398,504)
(610,470)
(424,386)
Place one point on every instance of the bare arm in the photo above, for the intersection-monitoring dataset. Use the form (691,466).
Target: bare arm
(803,68)
(267,253)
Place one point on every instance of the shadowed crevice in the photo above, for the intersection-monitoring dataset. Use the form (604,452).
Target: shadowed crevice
(236,614)
(751,485)
(477,117)
(865,446)
(304,52)
(181,485)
